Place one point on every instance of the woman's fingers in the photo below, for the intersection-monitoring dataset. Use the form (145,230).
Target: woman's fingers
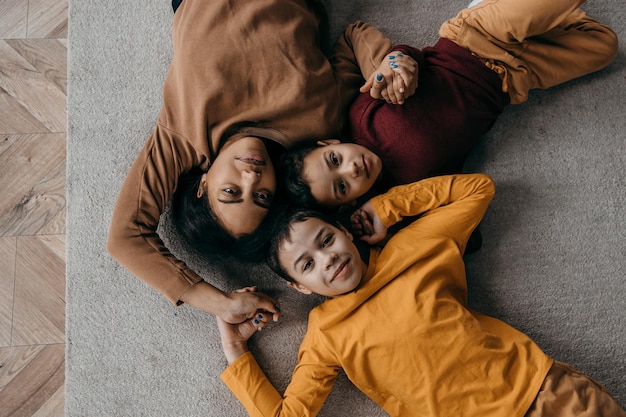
(261,320)
(249,303)
(377,86)
(394,81)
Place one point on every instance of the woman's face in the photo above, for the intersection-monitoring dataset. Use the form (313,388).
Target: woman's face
(240,185)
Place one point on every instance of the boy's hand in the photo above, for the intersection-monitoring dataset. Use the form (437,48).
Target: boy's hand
(367,225)
(235,336)
(244,305)
(395,80)
(234,307)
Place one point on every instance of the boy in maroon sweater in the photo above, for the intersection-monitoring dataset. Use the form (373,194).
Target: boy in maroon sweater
(488,56)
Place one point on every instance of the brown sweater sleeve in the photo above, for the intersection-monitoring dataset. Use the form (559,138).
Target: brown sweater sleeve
(133,240)
(356,55)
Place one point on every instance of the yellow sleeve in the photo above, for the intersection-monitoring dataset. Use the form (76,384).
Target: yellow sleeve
(311,383)
(256,393)
(449,206)
(133,240)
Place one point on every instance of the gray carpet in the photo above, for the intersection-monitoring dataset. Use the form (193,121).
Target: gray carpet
(553,263)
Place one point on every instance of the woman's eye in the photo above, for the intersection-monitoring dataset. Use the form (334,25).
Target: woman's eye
(334,159)
(230,191)
(263,196)
(327,240)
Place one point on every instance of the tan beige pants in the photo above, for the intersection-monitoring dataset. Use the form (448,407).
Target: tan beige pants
(533,43)
(568,393)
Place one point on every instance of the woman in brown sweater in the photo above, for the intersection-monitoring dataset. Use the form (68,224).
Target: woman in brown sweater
(247,80)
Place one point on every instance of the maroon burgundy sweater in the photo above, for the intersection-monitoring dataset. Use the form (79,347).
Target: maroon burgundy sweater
(457,100)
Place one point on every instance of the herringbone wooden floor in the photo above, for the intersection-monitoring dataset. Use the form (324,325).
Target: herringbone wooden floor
(33,57)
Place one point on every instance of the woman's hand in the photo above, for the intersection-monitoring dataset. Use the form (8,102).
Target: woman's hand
(367,225)
(245,304)
(395,80)
(235,337)
(235,307)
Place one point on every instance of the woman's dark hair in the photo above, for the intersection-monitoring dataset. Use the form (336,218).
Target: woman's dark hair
(290,170)
(199,227)
(282,233)
(194,219)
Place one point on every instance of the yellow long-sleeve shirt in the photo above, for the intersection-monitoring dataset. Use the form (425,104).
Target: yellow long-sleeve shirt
(405,336)
(239,62)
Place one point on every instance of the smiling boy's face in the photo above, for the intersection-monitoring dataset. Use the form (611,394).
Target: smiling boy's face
(339,173)
(321,258)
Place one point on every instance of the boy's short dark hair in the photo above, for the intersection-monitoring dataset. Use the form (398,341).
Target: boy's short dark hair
(290,170)
(282,231)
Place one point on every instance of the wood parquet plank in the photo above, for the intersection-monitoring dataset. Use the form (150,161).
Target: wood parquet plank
(13,19)
(21,80)
(39,300)
(32,180)
(55,225)
(16,118)
(47,18)
(48,56)
(7,284)
(54,405)
(31,380)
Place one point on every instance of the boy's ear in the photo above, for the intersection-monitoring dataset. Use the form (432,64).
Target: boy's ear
(343,229)
(202,187)
(325,142)
(300,288)
(347,206)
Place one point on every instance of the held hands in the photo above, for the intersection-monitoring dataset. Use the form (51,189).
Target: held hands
(234,307)
(245,304)
(395,80)
(367,225)
(235,337)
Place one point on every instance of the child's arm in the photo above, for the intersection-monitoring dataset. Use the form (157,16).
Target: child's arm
(357,57)
(311,381)
(235,336)
(367,226)
(450,206)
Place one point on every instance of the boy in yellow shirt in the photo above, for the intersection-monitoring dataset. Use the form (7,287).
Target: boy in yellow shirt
(397,321)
